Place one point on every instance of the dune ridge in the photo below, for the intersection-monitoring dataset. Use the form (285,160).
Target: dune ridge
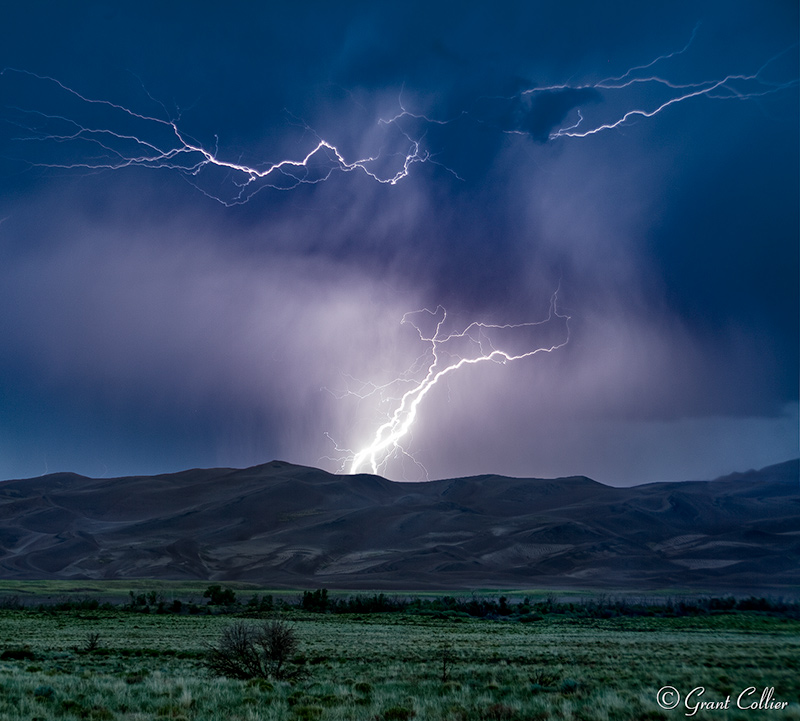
(285,525)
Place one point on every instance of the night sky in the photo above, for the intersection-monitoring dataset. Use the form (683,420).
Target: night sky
(161,309)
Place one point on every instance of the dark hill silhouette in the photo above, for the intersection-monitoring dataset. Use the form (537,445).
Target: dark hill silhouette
(285,525)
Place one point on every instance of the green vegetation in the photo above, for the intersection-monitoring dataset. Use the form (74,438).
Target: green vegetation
(408,657)
(256,651)
(219,596)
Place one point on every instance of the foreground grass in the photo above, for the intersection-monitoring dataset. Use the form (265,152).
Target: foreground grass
(391,666)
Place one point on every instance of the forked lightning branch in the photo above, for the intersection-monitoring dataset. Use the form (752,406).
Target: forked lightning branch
(83,134)
(446,352)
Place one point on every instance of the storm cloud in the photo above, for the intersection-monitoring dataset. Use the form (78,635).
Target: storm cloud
(155,319)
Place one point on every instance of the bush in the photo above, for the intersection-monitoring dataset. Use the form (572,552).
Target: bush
(219,596)
(308,713)
(398,713)
(499,712)
(542,678)
(44,692)
(17,654)
(91,642)
(568,686)
(316,600)
(258,604)
(248,651)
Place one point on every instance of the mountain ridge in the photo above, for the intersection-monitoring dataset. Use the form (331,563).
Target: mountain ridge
(282,524)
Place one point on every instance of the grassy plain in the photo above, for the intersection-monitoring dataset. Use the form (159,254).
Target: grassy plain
(388,666)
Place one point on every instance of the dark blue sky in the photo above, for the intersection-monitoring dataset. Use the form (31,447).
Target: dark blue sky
(155,318)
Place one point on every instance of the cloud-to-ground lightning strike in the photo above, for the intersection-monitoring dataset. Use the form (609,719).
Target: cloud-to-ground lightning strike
(446,352)
(100,135)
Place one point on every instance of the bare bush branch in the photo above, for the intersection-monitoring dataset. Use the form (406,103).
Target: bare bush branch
(92,642)
(278,643)
(254,651)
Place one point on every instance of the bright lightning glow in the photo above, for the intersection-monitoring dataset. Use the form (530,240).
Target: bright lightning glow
(154,142)
(95,135)
(446,353)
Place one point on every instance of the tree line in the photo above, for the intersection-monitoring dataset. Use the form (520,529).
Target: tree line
(219,599)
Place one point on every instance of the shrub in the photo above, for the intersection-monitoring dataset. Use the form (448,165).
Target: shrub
(543,678)
(219,596)
(17,654)
(136,677)
(316,600)
(753,604)
(258,604)
(261,684)
(446,654)
(44,692)
(69,705)
(568,686)
(499,712)
(308,713)
(457,712)
(249,651)
(100,713)
(398,713)
(91,642)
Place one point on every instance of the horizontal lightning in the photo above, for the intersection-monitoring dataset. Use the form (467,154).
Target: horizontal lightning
(118,137)
(160,143)
(612,91)
(721,89)
(121,138)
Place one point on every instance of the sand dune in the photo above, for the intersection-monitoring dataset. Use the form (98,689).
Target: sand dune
(286,525)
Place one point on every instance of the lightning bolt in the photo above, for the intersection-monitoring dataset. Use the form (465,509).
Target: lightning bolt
(154,142)
(635,82)
(446,352)
(727,87)
(119,137)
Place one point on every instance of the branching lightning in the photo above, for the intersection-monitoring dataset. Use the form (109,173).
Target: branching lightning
(728,87)
(154,142)
(623,97)
(446,352)
(97,134)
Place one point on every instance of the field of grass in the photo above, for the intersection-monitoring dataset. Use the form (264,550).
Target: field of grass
(397,666)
